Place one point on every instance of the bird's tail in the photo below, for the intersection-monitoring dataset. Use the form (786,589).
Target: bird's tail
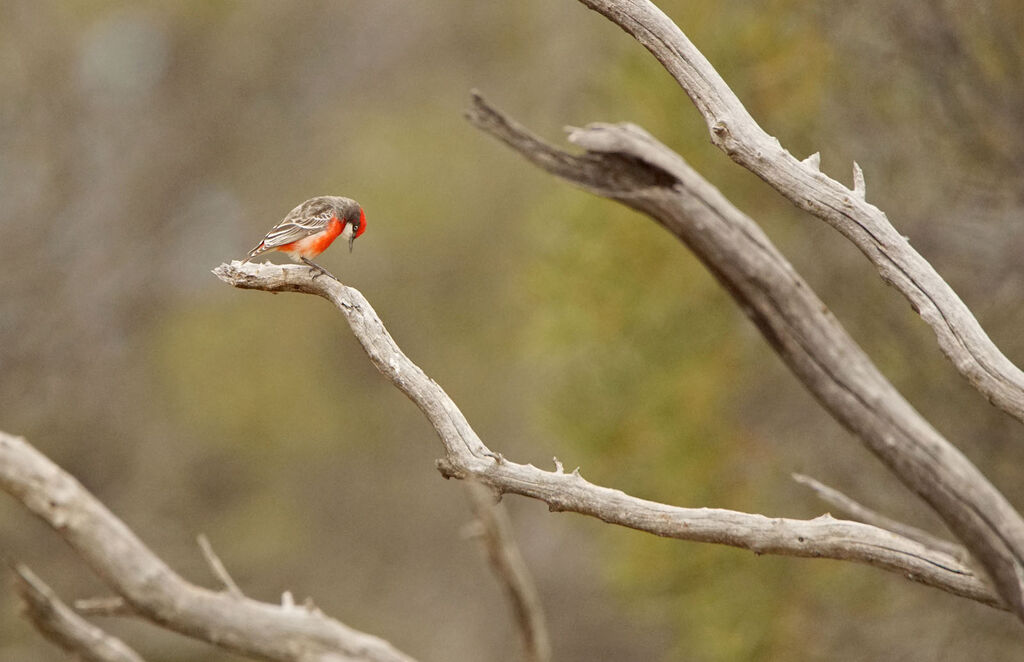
(260,249)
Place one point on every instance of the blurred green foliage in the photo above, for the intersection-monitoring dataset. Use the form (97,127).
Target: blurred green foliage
(647,357)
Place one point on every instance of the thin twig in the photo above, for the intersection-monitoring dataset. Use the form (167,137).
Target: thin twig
(218,567)
(61,625)
(511,570)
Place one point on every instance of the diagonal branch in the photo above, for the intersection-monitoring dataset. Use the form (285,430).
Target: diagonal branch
(625,163)
(61,625)
(217,566)
(847,507)
(157,593)
(732,129)
(467,457)
(509,566)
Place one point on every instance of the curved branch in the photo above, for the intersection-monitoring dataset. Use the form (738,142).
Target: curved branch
(468,457)
(732,129)
(157,593)
(625,163)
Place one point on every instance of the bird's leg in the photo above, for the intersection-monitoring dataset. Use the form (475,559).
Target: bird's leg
(320,270)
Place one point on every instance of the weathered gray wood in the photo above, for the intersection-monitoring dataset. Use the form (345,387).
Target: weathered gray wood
(495,531)
(849,508)
(154,591)
(467,457)
(732,129)
(61,625)
(625,163)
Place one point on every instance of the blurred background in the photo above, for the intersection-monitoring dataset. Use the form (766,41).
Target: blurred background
(143,143)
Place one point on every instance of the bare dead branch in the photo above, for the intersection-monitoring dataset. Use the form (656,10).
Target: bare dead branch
(110,605)
(732,129)
(511,571)
(217,567)
(157,593)
(847,507)
(61,625)
(466,456)
(625,163)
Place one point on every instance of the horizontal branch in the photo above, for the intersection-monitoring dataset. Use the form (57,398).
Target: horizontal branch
(61,625)
(157,593)
(847,507)
(625,163)
(732,128)
(468,457)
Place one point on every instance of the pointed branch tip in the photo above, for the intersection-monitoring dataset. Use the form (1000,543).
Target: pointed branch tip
(217,566)
(859,186)
(813,161)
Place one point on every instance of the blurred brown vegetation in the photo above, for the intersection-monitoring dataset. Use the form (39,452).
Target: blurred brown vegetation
(143,143)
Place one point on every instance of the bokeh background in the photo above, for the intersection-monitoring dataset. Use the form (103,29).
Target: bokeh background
(143,143)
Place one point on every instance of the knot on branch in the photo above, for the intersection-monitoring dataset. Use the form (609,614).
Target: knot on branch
(449,470)
(638,154)
(621,160)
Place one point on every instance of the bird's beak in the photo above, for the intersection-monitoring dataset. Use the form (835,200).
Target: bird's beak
(351,240)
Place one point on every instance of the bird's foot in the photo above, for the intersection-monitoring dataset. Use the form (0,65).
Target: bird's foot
(320,271)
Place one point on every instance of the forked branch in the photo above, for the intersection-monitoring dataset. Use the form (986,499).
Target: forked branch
(467,457)
(625,163)
(155,592)
(732,128)
(847,507)
(61,625)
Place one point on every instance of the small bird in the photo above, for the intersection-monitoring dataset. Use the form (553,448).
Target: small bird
(310,228)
